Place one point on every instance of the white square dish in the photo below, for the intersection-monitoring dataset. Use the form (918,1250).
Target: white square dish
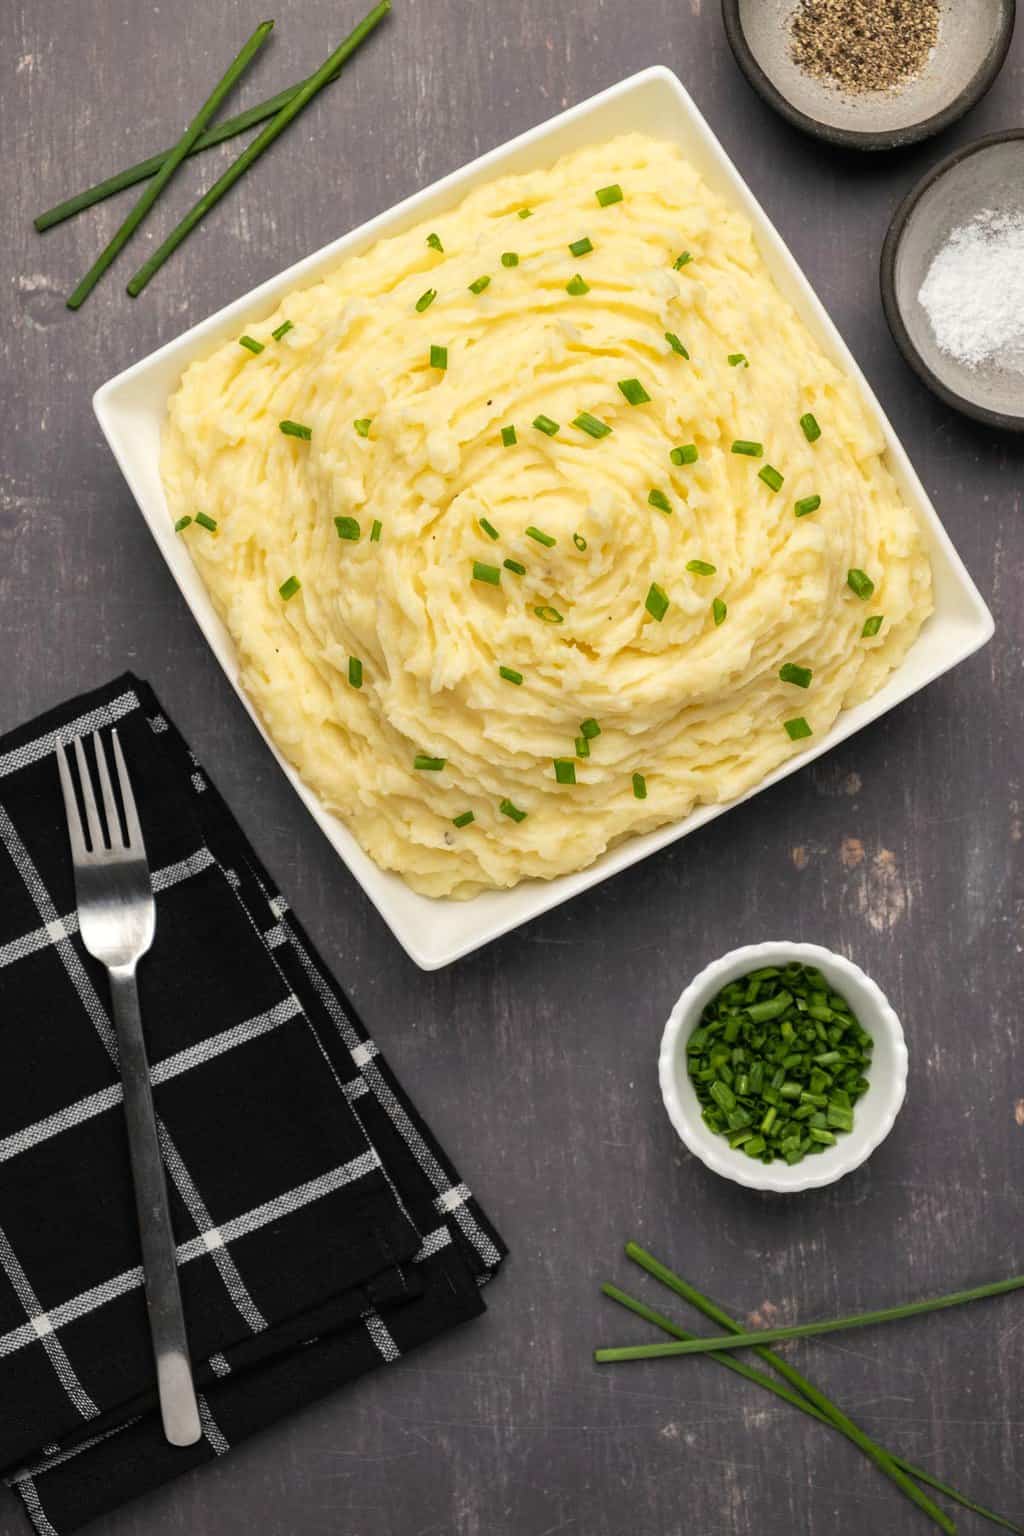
(131,410)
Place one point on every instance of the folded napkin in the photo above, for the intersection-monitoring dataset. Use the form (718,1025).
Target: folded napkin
(321,1229)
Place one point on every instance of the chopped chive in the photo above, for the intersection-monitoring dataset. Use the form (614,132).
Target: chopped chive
(548,614)
(718,611)
(800,676)
(508,809)
(182,523)
(608,195)
(429,764)
(686,453)
(434,241)
(676,344)
(771,477)
(355,672)
(577,287)
(872,626)
(348,528)
(515,567)
(656,498)
(463,820)
(657,602)
(250,343)
(811,430)
(701,567)
(798,729)
(590,728)
(508,437)
(806,504)
(581,545)
(682,260)
(479,284)
(282,330)
(439,358)
(565,770)
(510,675)
(425,300)
(591,425)
(363,425)
(581,247)
(546,425)
(582,747)
(540,536)
(488,573)
(634,391)
(289,588)
(375,531)
(738,360)
(205,521)
(489,529)
(296,429)
(750,450)
(860,582)
(525,213)
(639,786)
(509,259)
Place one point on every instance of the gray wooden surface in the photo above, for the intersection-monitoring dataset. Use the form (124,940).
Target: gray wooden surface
(535,1060)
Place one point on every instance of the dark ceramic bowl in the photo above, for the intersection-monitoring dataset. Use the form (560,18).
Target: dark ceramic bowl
(986,176)
(973,38)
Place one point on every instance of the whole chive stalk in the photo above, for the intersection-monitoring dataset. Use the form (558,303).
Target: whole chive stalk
(253,151)
(228,129)
(183,147)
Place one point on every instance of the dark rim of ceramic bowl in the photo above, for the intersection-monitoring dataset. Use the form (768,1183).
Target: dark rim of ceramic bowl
(852,138)
(890,302)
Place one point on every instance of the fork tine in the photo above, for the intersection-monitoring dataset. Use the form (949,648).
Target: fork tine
(92,815)
(109,803)
(132,828)
(78,848)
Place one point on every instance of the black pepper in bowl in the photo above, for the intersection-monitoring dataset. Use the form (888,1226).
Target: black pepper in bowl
(864,45)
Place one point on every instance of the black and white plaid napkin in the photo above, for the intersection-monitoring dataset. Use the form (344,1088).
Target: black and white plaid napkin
(321,1229)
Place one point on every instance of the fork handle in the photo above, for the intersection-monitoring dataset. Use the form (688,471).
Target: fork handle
(178,1407)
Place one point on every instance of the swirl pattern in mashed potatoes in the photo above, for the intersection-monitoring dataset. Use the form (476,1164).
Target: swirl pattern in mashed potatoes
(451,422)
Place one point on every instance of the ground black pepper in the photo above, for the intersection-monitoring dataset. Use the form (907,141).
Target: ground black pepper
(864,45)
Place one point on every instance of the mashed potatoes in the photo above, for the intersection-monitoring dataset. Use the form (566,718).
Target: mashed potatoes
(511,594)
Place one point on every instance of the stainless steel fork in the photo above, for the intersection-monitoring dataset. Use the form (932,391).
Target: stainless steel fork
(117,918)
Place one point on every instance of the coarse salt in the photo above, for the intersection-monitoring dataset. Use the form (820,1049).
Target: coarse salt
(973,294)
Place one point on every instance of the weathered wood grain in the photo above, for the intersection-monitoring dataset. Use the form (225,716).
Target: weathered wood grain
(535,1059)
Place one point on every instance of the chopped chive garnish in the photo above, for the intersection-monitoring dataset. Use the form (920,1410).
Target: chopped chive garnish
(510,675)
(701,567)
(581,543)
(658,499)
(515,567)
(686,453)
(860,582)
(548,614)
(489,573)
(348,528)
(540,536)
(872,626)
(811,430)
(798,729)
(634,391)
(355,672)
(590,728)
(508,437)
(182,523)
(582,747)
(682,260)
(676,344)
(738,360)
(577,287)
(425,300)
(581,247)
(375,531)
(508,809)
(363,425)
(657,602)
(204,520)
(479,284)
(806,504)
(718,611)
(463,820)
(591,425)
(800,676)
(565,770)
(509,259)
(250,343)
(489,529)
(750,450)
(546,425)
(525,213)
(282,330)
(429,764)
(608,195)
(639,786)
(434,241)
(439,357)
(289,588)
(296,429)
(771,477)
